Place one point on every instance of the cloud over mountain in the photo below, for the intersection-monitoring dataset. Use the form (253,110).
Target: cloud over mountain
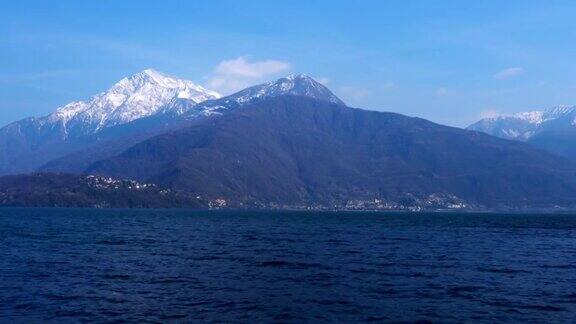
(508,73)
(239,73)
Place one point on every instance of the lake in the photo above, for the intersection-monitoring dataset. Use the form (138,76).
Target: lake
(59,265)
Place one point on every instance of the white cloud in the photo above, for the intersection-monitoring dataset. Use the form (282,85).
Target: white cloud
(241,67)
(441,92)
(508,73)
(236,74)
(489,113)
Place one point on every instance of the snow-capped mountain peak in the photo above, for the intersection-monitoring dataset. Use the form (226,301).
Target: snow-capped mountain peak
(299,85)
(295,85)
(140,95)
(537,116)
(524,125)
(558,111)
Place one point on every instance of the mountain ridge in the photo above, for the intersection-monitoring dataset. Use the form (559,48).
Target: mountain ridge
(136,107)
(291,143)
(297,151)
(534,118)
(553,129)
(140,95)
(181,113)
(27,144)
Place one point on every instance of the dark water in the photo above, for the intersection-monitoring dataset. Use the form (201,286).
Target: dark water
(182,266)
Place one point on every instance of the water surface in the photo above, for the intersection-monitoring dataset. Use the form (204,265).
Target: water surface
(59,265)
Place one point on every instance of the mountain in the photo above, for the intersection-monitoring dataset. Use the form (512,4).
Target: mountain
(296,85)
(138,96)
(67,190)
(29,143)
(183,112)
(552,129)
(296,151)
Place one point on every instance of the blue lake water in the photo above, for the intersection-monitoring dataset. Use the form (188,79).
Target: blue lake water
(71,265)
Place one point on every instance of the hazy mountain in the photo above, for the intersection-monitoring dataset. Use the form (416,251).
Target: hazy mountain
(553,129)
(29,143)
(298,151)
(289,142)
(183,112)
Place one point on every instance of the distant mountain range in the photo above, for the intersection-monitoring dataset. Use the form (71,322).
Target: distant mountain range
(134,109)
(180,113)
(297,151)
(27,144)
(289,143)
(552,129)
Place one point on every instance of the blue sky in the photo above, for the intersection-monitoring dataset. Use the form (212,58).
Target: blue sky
(448,61)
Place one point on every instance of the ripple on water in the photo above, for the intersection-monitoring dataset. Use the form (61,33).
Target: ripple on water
(182,266)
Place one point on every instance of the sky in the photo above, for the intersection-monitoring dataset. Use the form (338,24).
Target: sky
(451,62)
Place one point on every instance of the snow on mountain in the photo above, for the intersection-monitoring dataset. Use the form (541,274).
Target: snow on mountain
(134,97)
(524,125)
(161,102)
(541,116)
(532,117)
(299,85)
(296,85)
